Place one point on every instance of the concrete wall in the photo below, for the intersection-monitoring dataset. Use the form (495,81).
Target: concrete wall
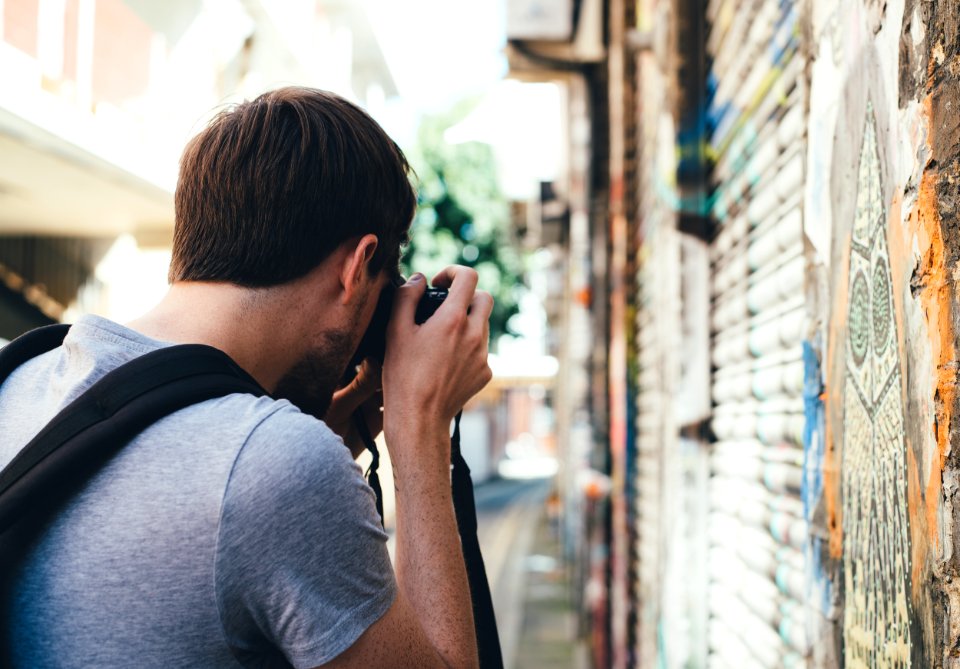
(883,247)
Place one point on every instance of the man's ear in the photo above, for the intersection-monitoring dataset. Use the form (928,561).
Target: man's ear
(354,269)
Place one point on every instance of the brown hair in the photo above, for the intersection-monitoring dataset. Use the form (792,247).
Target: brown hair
(271,187)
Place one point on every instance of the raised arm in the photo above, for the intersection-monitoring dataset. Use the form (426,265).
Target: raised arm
(430,372)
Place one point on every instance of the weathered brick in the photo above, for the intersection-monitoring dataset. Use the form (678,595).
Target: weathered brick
(121,53)
(20,24)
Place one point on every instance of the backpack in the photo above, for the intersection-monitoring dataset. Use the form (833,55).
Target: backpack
(80,439)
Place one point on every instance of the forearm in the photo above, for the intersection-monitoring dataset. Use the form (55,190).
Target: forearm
(429,559)
(430,371)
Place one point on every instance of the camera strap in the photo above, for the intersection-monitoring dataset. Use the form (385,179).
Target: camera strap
(464,506)
(373,478)
(484,619)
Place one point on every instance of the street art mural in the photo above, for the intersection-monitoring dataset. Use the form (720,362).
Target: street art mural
(876,542)
(884,259)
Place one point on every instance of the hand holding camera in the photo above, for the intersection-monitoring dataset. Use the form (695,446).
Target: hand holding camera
(431,369)
(360,396)
(362,392)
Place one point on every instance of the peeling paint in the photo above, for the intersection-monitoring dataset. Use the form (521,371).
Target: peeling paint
(931,284)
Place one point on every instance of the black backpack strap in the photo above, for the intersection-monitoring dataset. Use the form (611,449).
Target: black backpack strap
(92,428)
(30,345)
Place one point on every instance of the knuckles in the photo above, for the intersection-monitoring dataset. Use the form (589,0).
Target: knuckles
(485,299)
(454,321)
(466,271)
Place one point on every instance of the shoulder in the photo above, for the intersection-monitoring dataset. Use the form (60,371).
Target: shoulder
(301,558)
(285,443)
(280,421)
(266,434)
(290,467)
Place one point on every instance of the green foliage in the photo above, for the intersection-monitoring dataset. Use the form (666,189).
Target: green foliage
(463,218)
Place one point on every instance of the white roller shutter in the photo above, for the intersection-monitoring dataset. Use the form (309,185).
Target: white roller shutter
(756,526)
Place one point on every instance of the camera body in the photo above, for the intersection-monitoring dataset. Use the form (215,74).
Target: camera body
(374,342)
(428,304)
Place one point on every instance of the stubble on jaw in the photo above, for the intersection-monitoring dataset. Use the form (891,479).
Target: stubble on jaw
(310,383)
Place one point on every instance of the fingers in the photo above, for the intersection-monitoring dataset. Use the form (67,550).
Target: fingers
(479,318)
(406,299)
(481,306)
(367,380)
(461,283)
(442,363)
(364,385)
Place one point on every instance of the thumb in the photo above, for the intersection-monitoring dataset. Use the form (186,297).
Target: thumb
(406,299)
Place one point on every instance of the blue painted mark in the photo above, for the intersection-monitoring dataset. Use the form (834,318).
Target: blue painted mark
(785,34)
(790,608)
(791,660)
(774,528)
(813,429)
(757,390)
(784,630)
(716,111)
(782,578)
(819,586)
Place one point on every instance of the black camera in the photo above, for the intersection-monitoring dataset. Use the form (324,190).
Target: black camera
(374,342)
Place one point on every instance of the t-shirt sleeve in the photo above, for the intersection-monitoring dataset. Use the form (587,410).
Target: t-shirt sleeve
(302,566)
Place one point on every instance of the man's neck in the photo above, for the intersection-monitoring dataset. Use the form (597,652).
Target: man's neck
(258,328)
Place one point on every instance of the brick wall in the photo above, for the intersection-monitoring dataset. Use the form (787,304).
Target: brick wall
(121,53)
(70,39)
(20,24)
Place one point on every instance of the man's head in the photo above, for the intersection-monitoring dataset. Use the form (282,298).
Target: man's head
(301,193)
(272,187)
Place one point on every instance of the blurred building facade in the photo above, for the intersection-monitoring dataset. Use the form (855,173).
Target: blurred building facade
(758,314)
(98,98)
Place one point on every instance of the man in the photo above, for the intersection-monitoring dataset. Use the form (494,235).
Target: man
(239,531)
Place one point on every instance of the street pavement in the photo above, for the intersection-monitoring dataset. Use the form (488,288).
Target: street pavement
(528,581)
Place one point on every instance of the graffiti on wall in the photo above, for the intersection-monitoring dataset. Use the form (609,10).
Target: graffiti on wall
(881,524)
(876,547)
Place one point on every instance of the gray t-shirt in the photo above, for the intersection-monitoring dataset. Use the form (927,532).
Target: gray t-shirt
(235,528)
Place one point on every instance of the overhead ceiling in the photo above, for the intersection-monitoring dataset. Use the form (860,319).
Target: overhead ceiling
(50,187)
